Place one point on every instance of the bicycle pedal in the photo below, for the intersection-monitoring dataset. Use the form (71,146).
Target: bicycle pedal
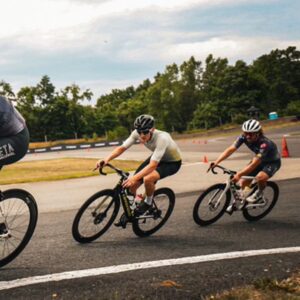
(122,222)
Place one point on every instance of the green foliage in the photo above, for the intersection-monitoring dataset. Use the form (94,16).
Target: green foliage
(6,90)
(206,116)
(95,136)
(185,96)
(118,133)
(293,108)
(239,118)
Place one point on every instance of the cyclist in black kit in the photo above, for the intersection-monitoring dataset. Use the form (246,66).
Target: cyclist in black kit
(264,164)
(14,136)
(164,161)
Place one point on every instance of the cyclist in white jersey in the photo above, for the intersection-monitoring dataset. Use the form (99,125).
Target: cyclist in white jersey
(164,161)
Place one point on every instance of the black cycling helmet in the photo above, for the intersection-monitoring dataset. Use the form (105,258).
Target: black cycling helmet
(251,126)
(143,122)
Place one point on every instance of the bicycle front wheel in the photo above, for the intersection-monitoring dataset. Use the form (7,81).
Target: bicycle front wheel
(95,216)
(211,205)
(18,218)
(158,214)
(265,205)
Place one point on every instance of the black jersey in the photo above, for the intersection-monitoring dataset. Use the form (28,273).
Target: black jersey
(11,121)
(264,148)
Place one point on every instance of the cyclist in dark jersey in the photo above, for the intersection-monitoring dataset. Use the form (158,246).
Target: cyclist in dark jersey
(265,163)
(14,136)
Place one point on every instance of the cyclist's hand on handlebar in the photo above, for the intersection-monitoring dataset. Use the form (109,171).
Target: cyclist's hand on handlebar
(100,164)
(236,178)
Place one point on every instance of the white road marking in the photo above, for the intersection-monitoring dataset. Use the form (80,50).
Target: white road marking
(5,285)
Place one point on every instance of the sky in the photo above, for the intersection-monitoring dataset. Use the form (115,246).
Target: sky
(112,44)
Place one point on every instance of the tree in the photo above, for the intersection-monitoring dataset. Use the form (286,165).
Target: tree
(6,90)
(188,91)
(280,72)
(75,110)
(206,116)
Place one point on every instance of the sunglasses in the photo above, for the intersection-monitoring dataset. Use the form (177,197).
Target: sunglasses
(144,132)
(251,134)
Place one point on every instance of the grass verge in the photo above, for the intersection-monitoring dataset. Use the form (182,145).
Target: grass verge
(264,289)
(56,169)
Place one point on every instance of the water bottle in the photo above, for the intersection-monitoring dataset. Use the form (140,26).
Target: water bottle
(132,203)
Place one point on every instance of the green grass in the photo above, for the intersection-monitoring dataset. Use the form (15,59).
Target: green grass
(57,169)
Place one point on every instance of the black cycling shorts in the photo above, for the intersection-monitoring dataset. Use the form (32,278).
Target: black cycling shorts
(164,168)
(269,168)
(13,148)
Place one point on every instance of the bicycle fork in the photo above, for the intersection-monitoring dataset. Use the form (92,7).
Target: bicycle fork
(217,203)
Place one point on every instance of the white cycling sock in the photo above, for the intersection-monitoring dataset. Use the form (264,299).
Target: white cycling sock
(148,199)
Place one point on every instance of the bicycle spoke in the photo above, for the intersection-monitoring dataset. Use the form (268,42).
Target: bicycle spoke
(95,216)
(162,207)
(211,205)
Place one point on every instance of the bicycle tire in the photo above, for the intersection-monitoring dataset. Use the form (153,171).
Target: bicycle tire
(200,202)
(78,233)
(11,204)
(138,224)
(247,211)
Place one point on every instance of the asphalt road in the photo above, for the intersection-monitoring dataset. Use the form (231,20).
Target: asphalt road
(52,250)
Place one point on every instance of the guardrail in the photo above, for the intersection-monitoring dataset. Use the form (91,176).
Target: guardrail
(76,146)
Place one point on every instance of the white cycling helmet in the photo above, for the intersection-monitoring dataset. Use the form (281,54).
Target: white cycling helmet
(251,126)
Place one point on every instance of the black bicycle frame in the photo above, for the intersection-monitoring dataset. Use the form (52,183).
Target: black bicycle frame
(121,194)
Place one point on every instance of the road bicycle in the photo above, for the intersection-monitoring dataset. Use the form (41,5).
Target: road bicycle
(98,213)
(229,197)
(18,218)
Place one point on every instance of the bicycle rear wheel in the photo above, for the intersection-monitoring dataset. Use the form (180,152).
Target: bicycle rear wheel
(206,210)
(95,216)
(157,215)
(18,218)
(264,206)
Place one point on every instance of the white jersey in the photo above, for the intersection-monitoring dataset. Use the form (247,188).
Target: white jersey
(161,144)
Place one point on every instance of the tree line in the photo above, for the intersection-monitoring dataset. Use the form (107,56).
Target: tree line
(184,97)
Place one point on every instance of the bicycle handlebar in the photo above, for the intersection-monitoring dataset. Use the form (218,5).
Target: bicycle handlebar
(225,170)
(118,171)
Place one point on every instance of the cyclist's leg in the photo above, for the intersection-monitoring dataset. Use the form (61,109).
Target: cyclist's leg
(246,182)
(149,182)
(164,169)
(262,179)
(13,148)
(134,188)
(268,170)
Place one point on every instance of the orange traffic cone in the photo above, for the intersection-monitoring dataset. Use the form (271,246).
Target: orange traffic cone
(205,160)
(285,150)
